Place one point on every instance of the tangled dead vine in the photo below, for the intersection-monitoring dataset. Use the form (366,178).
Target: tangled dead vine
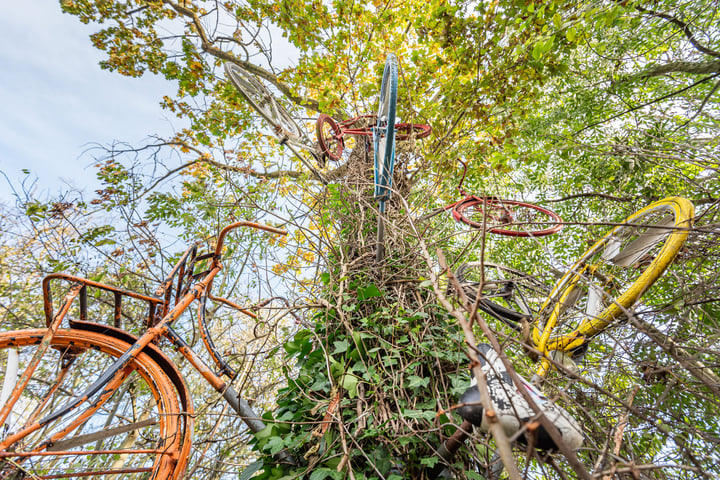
(382,366)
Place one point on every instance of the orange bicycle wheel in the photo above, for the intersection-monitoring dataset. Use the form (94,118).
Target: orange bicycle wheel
(134,428)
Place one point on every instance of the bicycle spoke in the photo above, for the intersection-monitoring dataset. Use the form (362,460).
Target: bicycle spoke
(384,132)
(260,98)
(131,430)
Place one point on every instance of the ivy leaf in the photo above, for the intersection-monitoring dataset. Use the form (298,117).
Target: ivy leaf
(322,473)
(414,381)
(340,346)
(275,444)
(350,383)
(251,469)
(368,292)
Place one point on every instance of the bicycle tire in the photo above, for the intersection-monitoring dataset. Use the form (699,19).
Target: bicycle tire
(626,262)
(507,217)
(404,131)
(384,131)
(330,137)
(138,435)
(260,99)
(508,295)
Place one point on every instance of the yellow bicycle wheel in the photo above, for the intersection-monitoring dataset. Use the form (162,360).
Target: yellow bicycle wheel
(609,279)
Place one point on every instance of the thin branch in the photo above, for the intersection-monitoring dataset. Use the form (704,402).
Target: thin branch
(683,26)
(704,102)
(643,105)
(594,195)
(695,367)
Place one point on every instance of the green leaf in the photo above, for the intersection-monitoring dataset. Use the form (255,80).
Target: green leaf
(414,381)
(350,383)
(251,469)
(424,414)
(381,458)
(336,369)
(368,292)
(473,475)
(542,46)
(322,473)
(341,346)
(265,433)
(275,444)
(571,34)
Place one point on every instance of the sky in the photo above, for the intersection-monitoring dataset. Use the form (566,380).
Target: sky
(57,102)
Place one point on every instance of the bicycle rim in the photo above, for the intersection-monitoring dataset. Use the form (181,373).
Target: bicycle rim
(329,137)
(384,131)
(404,131)
(135,433)
(514,294)
(507,217)
(612,275)
(260,99)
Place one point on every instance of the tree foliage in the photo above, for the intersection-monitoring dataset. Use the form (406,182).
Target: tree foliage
(594,109)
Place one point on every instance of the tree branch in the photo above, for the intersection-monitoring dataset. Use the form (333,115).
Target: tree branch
(695,68)
(595,195)
(704,102)
(208,47)
(683,26)
(203,157)
(643,105)
(695,367)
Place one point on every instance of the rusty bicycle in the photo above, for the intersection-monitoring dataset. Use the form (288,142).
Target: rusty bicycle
(60,418)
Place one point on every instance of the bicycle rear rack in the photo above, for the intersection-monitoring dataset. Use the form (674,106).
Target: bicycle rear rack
(174,287)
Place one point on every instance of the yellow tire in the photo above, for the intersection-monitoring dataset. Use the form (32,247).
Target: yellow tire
(611,276)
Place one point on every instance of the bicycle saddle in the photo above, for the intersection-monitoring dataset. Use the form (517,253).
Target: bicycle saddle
(512,409)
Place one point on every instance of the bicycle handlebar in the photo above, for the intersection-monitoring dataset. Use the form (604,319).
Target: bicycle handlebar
(232,226)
